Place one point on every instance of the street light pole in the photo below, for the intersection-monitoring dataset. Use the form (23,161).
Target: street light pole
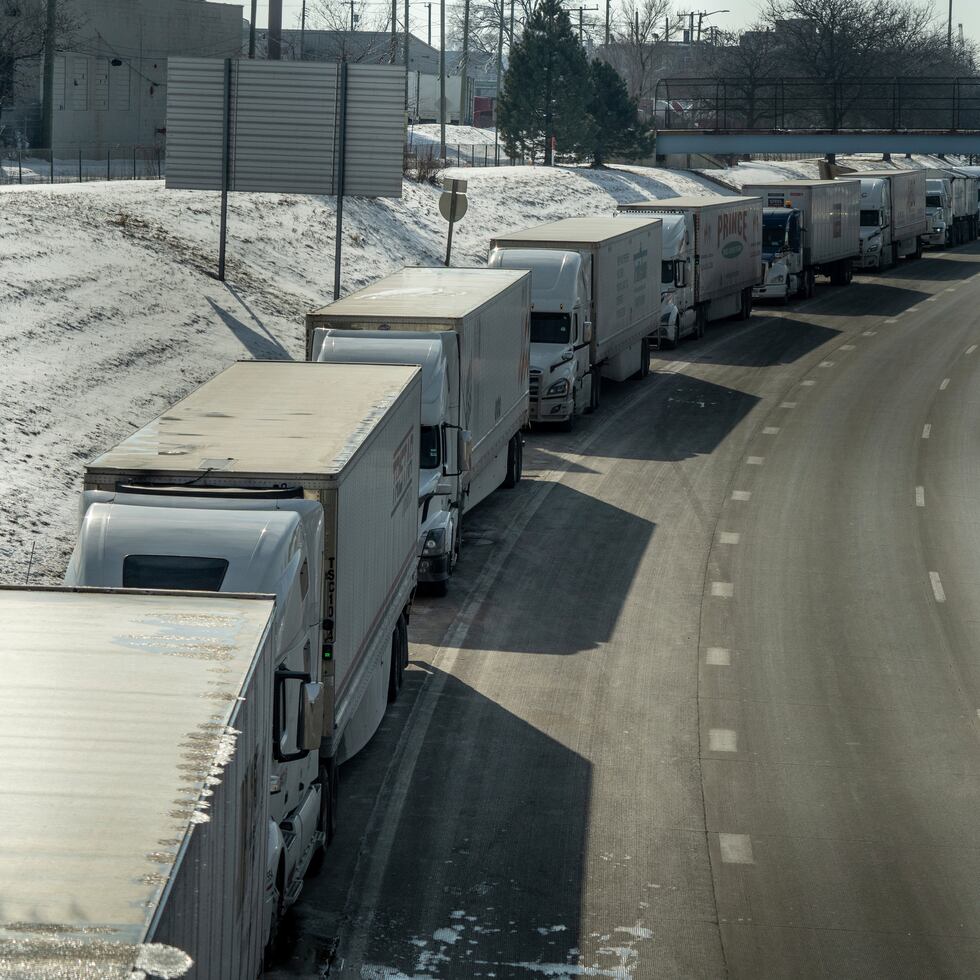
(949,26)
(251,29)
(47,98)
(442,79)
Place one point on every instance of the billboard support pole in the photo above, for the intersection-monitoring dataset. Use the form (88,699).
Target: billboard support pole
(341,162)
(225,167)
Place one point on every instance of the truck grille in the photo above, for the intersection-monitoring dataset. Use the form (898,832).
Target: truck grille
(534,382)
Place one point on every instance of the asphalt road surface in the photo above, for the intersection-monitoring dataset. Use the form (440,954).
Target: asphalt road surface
(704,699)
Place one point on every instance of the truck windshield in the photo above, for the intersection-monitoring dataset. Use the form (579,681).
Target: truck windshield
(869,219)
(177,572)
(934,201)
(666,273)
(773,232)
(551,328)
(429,447)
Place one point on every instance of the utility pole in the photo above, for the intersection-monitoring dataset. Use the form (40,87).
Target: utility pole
(949,26)
(500,72)
(407,35)
(511,44)
(394,31)
(701,19)
(302,32)
(464,85)
(608,5)
(580,18)
(275,30)
(428,7)
(353,16)
(251,29)
(47,98)
(442,79)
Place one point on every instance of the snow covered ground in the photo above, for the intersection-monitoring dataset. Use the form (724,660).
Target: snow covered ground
(427,134)
(109,310)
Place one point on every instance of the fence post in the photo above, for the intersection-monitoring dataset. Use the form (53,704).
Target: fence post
(79,164)
(159,174)
(51,165)
(20,165)
(486,154)
(108,161)
(134,163)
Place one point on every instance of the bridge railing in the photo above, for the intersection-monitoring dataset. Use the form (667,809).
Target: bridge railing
(890,103)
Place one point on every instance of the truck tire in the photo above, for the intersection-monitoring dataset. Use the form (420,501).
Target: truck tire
(595,390)
(644,368)
(917,254)
(271,951)
(515,461)
(396,673)
(745,312)
(700,323)
(329,778)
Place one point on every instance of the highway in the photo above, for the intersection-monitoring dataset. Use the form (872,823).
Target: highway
(704,700)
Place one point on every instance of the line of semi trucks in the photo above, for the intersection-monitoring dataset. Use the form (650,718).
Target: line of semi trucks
(234,619)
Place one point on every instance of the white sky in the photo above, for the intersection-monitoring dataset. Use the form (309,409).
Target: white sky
(741,13)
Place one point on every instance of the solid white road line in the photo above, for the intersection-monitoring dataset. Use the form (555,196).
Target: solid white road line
(937,587)
(722,740)
(722,590)
(728,537)
(770,430)
(718,657)
(741,494)
(736,848)
(920,496)
(755,460)
(944,385)
(926,430)
(971,348)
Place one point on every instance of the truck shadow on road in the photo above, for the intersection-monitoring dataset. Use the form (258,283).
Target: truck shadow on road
(488,867)
(952,266)
(764,342)
(875,299)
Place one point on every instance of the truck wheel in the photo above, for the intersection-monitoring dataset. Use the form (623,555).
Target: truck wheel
(848,272)
(595,392)
(396,673)
(515,450)
(917,254)
(700,322)
(275,927)
(745,313)
(644,368)
(327,818)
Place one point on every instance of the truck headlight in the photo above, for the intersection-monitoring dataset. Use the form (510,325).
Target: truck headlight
(558,388)
(435,541)
(874,246)
(779,280)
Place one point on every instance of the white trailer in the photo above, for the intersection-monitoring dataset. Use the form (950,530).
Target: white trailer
(136,740)
(724,258)
(595,298)
(469,331)
(809,228)
(963,201)
(893,215)
(297,480)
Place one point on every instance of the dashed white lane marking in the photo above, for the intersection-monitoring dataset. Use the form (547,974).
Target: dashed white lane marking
(826,364)
(944,385)
(847,347)
(950,289)
(931,299)
(926,431)
(971,348)
(937,587)
(755,460)
(736,848)
(722,740)
(810,381)
(869,333)
(788,405)
(722,590)
(728,537)
(911,309)
(741,494)
(770,430)
(718,657)
(893,320)
(920,496)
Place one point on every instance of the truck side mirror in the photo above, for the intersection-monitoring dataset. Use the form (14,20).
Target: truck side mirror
(464,449)
(587,332)
(680,272)
(310,723)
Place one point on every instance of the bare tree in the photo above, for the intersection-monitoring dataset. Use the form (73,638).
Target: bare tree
(484,26)
(746,65)
(353,42)
(634,51)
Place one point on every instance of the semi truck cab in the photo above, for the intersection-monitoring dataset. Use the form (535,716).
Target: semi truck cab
(561,331)
(187,541)
(677,315)
(875,224)
(939,210)
(782,253)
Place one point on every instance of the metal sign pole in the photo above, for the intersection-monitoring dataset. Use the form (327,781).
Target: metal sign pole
(341,154)
(225,167)
(452,219)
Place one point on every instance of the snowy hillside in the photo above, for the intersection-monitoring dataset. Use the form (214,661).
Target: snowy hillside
(110,310)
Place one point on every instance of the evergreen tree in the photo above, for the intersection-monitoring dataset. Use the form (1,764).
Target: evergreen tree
(615,129)
(546,87)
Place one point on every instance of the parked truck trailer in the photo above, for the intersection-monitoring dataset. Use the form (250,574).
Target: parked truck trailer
(296,480)
(713,266)
(594,300)
(137,734)
(469,331)
(962,187)
(893,215)
(809,228)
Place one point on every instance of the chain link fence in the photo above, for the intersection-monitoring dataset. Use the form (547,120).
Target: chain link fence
(65,166)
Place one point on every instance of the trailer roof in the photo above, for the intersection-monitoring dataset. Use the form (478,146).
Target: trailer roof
(792,182)
(689,203)
(880,173)
(102,693)
(420,293)
(592,230)
(290,418)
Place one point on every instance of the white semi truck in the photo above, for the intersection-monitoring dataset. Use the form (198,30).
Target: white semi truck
(711,263)
(893,215)
(594,300)
(939,212)
(137,735)
(963,202)
(469,330)
(809,228)
(295,480)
